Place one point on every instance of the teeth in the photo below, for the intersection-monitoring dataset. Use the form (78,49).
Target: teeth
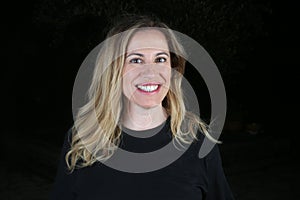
(148,88)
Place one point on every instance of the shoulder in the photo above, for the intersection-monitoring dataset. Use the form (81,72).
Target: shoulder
(206,148)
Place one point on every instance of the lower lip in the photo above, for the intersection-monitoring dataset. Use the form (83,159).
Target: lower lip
(149,93)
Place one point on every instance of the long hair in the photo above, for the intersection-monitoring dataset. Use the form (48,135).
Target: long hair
(96,132)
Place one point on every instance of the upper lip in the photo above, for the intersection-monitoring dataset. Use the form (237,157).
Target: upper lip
(148,83)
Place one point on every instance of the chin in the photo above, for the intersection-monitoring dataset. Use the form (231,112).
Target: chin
(149,105)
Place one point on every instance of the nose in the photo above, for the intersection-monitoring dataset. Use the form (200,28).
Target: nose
(149,70)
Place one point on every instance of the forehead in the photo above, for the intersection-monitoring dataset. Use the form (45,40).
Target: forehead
(147,39)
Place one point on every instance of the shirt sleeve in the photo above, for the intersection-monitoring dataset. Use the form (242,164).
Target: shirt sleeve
(64,180)
(218,187)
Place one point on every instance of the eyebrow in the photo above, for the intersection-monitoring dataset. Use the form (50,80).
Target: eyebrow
(141,55)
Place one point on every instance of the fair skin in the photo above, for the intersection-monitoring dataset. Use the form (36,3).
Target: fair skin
(146,80)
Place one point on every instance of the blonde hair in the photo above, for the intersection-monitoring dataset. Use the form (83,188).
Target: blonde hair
(96,131)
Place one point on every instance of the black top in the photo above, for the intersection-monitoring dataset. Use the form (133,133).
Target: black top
(187,178)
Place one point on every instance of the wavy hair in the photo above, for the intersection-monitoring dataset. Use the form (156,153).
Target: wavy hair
(96,132)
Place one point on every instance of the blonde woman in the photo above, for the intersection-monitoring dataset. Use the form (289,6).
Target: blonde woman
(136,91)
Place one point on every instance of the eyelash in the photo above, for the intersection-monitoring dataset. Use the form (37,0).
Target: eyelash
(165,60)
(135,60)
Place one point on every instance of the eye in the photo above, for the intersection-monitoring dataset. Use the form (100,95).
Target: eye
(160,60)
(136,60)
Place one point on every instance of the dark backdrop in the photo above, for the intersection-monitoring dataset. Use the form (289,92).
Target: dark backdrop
(46,41)
(49,39)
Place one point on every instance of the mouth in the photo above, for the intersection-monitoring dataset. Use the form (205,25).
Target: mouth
(148,88)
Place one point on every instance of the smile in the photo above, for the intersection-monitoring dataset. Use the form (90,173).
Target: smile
(148,88)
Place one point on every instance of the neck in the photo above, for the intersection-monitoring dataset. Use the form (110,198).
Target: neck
(135,117)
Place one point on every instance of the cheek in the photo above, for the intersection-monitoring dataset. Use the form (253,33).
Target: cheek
(127,82)
(167,74)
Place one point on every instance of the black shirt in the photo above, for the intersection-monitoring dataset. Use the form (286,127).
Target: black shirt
(187,178)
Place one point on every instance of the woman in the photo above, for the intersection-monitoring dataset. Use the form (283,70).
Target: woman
(136,89)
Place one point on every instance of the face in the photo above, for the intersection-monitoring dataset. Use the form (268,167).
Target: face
(147,69)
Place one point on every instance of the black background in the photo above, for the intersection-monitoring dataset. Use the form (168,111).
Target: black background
(46,40)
